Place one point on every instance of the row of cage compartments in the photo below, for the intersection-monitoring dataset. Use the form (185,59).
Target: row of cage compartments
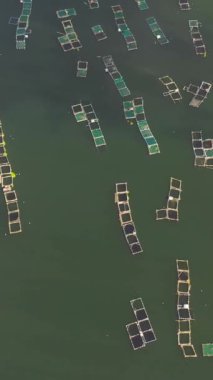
(90,113)
(121,197)
(87,108)
(172,88)
(130,234)
(174,95)
(183,274)
(132,239)
(14,223)
(5,167)
(167,214)
(175,189)
(199,142)
(130,104)
(204,162)
(139,309)
(71,45)
(13,212)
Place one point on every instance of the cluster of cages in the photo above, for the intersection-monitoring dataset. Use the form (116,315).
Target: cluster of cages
(140,332)
(184,5)
(197,39)
(184,316)
(171,212)
(172,88)
(116,76)
(200,93)
(125,217)
(203,150)
(14,222)
(123,27)
(69,41)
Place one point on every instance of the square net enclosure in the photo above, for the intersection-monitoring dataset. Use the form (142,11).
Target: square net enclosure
(207,349)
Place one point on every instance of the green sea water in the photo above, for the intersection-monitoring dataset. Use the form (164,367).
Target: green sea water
(66,281)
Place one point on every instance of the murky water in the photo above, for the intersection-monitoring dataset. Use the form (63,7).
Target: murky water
(66,282)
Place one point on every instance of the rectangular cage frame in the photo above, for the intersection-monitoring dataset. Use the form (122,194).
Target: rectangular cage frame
(188,350)
(123,27)
(142,5)
(64,13)
(93,4)
(207,349)
(117,78)
(85,112)
(183,309)
(184,5)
